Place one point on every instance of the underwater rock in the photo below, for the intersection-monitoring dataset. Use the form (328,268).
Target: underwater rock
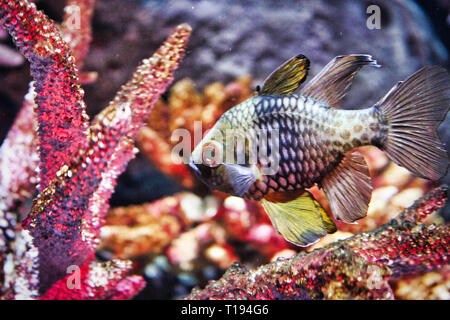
(270,32)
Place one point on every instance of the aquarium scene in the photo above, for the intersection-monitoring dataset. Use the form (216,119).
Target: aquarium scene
(224,150)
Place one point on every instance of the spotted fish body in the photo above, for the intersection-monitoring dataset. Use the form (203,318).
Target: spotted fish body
(316,142)
(313,137)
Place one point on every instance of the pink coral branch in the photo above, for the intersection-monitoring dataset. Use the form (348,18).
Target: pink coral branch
(358,267)
(62,119)
(67,215)
(18,154)
(19,159)
(117,126)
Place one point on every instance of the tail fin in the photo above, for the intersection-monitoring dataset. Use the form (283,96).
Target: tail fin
(413,110)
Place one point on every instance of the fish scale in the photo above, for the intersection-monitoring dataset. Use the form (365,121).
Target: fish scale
(313,137)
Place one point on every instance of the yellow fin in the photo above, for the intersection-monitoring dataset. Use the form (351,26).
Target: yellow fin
(287,77)
(301,221)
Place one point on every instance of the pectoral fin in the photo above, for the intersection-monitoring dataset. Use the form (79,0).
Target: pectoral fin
(240,177)
(288,77)
(332,83)
(301,221)
(348,188)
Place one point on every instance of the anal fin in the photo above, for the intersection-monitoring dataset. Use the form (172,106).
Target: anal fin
(348,188)
(301,221)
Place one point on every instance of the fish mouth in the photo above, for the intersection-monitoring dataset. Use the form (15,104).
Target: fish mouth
(194,168)
(200,170)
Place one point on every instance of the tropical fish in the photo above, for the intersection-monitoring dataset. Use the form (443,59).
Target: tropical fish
(316,141)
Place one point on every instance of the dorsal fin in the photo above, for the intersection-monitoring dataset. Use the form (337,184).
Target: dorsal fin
(348,188)
(332,83)
(287,77)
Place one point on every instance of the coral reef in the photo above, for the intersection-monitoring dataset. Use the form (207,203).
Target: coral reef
(71,245)
(358,267)
(78,161)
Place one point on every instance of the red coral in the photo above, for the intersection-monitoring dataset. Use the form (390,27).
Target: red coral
(18,153)
(61,133)
(18,159)
(97,281)
(78,167)
(358,267)
(89,180)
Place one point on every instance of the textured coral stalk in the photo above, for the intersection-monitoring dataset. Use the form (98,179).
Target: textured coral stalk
(358,267)
(18,154)
(67,215)
(61,113)
(150,80)
(117,126)
(19,159)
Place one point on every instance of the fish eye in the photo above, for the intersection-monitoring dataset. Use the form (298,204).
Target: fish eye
(212,154)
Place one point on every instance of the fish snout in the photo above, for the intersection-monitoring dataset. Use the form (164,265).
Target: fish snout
(194,167)
(200,169)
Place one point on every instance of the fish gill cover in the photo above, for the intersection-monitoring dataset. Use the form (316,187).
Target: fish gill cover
(70,245)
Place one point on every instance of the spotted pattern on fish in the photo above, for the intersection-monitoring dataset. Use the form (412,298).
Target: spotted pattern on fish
(313,137)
